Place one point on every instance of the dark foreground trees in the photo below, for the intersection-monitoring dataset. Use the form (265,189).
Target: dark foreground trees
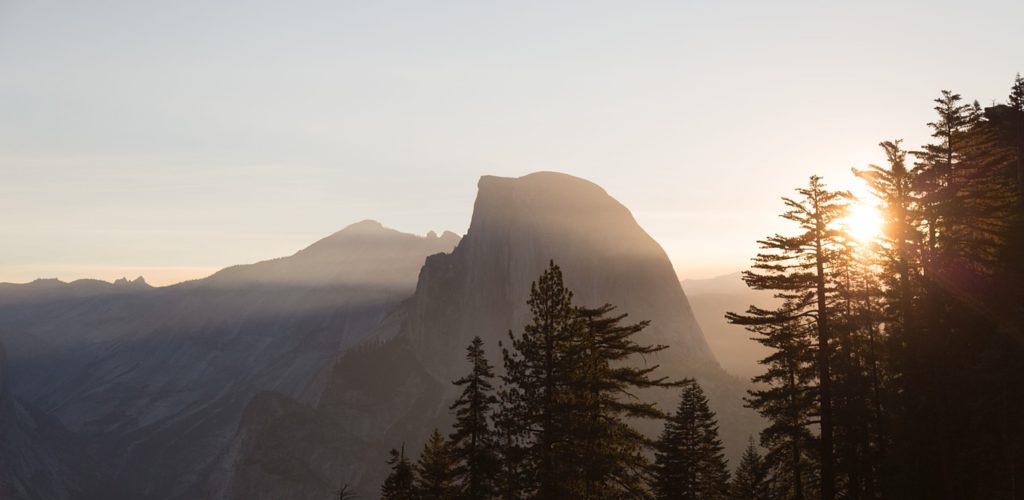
(912,342)
(570,394)
(561,424)
(801,270)
(896,368)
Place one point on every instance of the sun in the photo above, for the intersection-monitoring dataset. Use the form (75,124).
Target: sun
(863,221)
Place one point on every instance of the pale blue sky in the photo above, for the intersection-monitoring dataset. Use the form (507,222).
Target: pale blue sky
(173,138)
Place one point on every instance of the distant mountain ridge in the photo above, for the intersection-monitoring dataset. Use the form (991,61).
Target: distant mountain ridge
(351,256)
(155,379)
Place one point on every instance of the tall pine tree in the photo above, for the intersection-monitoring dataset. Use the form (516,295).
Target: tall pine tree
(569,393)
(537,372)
(897,253)
(785,397)
(472,443)
(856,370)
(798,268)
(945,175)
(609,455)
(898,244)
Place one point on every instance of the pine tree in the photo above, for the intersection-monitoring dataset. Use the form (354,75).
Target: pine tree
(399,485)
(1017,94)
(537,370)
(750,481)
(965,298)
(609,455)
(472,442)
(937,171)
(897,255)
(857,377)
(982,294)
(1010,126)
(953,195)
(894,187)
(787,399)
(689,462)
(435,470)
(510,480)
(570,385)
(797,268)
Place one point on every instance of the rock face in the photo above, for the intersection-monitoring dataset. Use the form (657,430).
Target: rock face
(518,227)
(155,380)
(394,391)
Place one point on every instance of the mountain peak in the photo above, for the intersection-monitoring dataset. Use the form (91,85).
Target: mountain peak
(547,180)
(549,194)
(521,224)
(362,253)
(363,226)
(46,282)
(137,282)
(554,209)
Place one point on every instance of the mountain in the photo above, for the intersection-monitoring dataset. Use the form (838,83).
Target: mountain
(289,377)
(396,387)
(732,345)
(155,380)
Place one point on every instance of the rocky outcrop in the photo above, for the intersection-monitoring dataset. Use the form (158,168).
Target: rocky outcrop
(518,227)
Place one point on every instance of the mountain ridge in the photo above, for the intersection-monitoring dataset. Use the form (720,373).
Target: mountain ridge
(157,378)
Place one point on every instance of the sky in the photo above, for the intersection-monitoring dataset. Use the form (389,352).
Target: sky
(170,139)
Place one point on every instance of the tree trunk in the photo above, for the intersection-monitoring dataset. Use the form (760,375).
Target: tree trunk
(825,377)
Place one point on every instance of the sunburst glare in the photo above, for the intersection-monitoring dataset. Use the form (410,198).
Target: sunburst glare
(863,221)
